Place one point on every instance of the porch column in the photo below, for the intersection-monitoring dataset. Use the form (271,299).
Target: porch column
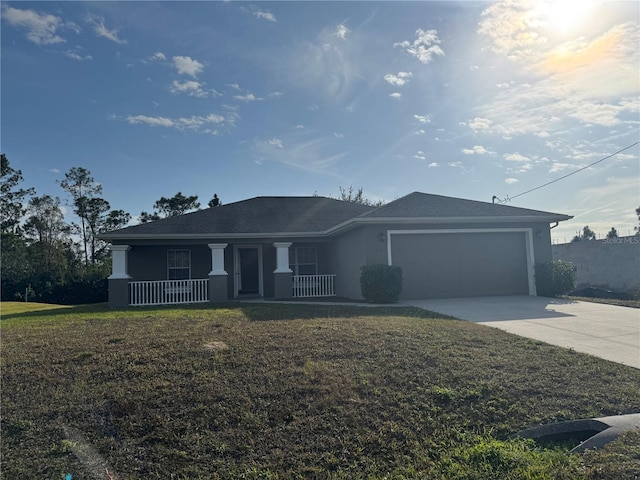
(119,278)
(217,275)
(282,275)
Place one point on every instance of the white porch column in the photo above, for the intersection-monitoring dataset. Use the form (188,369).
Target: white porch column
(282,257)
(119,260)
(217,259)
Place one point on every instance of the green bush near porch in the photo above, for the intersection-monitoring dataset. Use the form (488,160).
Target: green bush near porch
(555,278)
(381,283)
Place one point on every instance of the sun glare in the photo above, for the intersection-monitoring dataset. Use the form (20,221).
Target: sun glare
(567,16)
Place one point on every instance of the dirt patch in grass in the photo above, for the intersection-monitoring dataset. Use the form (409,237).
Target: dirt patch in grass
(307,391)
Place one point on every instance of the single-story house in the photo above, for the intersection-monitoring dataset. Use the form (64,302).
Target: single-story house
(286,247)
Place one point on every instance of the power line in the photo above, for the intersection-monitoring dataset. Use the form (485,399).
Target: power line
(569,174)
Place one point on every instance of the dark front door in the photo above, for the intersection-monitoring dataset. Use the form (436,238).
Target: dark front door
(249,271)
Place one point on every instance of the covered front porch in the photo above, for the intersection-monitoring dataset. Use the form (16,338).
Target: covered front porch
(240,270)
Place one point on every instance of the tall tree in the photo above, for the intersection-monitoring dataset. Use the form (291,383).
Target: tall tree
(587,234)
(613,233)
(79,183)
(171,207)
(48,232)
(637,228)
(11,198)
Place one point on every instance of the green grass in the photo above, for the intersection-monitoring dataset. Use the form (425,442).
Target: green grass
(303,391)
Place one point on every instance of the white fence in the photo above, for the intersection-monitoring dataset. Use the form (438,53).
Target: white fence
(314,286)
(166,292)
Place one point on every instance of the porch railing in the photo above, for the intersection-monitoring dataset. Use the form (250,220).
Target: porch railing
(166,292)
(314,286)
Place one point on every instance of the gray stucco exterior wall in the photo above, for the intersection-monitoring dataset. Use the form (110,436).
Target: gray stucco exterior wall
(610,263)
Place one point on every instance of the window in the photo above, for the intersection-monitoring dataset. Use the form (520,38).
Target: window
(179,264)
(303,260)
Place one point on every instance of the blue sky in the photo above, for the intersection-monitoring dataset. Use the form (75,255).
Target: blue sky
(467,99)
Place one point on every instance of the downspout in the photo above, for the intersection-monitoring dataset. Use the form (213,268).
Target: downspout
(557,223)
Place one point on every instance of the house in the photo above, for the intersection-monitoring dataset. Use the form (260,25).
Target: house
(285,247)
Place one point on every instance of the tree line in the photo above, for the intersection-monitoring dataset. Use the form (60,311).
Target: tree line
(48,259)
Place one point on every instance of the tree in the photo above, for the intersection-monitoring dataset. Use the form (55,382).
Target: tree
(613,233)
(171,207)
(215,201)
(79,183)
(11,198)
(637,228)
(357,197)
(587,234)
(49,234)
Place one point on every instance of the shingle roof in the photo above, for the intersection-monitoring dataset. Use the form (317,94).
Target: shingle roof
(424,205)
(317,215)
(255,216)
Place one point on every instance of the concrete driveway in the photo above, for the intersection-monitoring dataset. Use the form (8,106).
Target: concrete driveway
(606,331)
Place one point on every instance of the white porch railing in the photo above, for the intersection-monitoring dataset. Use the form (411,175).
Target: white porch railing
(166,292)
(314,286)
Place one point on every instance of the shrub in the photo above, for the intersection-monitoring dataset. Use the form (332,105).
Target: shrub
(381,283)
(555,278)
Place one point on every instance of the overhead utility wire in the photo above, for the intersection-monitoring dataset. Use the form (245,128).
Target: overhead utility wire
(569,174)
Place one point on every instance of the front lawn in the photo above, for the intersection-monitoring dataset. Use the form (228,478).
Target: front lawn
(294,391)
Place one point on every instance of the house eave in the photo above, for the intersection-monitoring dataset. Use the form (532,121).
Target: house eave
(347,225)
(204,236)
(446,220)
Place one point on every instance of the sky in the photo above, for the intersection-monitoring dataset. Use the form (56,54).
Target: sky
(464,99)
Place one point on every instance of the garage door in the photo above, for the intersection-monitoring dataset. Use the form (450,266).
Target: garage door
(445,265)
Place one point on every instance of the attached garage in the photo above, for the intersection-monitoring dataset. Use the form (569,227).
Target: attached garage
(463,263)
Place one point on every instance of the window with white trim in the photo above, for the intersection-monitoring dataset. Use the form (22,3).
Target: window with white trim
(178,264)
(303,260)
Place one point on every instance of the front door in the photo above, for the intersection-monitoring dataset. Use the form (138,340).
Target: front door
(248,270)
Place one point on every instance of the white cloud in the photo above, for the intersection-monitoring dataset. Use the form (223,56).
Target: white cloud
(338,135)
(477,150)
(455,164)
(299,126)
(187,66)
(249,97)
(433,165)
(503,85)
(265,15)
(395,95)
(420,132)
(480,124)
(422,118)
(515,157)
(234,86)
(424,46)
(314,155)
(275,142)
(76,56)
(190,87)
(559,167)
(151,121)
(399,79)
(341,31)
(275,94)
(102,31)
(158,56)
(542,134)
(511,181)
(197,123)
(42,29)
(420,155)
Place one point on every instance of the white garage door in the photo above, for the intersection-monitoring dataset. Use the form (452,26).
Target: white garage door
(474,263)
